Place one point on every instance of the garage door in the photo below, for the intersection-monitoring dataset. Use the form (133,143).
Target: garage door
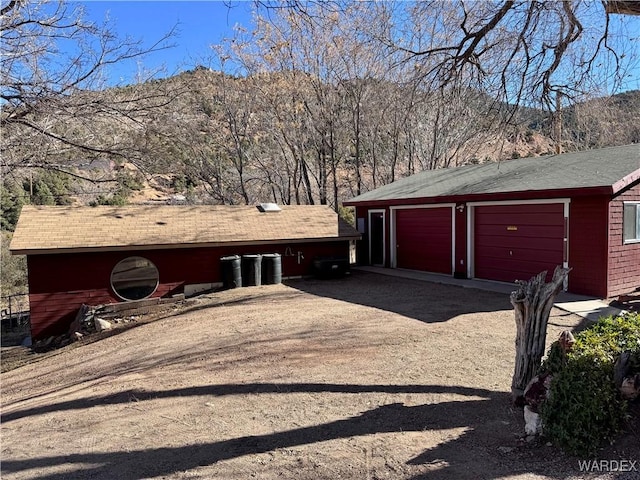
(423,239)
(516,242)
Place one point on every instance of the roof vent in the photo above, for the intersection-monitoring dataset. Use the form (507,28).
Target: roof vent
(269,207)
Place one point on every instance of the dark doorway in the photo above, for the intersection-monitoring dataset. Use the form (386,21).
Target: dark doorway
(376,238)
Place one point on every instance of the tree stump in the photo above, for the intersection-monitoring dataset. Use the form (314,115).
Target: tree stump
(532,304)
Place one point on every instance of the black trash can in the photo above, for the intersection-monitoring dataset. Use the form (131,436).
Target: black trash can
(271,268)
(252,270)
(331,267)
(231,273)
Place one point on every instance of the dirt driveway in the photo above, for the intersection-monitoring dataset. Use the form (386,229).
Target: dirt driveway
(368,377)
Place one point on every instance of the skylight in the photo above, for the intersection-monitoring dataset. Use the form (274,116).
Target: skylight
(269,207)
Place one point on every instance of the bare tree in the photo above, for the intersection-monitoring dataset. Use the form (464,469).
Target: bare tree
(55,94)
(291,63)
(526,51)
(237,99)
(624,7)
(341,114)
(602,122)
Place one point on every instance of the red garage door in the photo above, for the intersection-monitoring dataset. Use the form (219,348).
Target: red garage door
(423,239)
(516,242)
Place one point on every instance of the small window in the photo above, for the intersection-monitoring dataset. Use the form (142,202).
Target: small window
(134,278)
(631,222)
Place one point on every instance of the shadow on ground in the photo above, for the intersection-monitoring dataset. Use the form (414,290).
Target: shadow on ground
(468,456)
(425,301)
(136,395)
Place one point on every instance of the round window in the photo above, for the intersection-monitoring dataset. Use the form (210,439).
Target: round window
(134,278)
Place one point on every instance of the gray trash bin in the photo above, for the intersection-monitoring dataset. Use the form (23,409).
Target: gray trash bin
(271,268)
(231,272)
(251,270)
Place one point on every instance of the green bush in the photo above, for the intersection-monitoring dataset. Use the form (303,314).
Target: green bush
(129,181)
(13,269)
(49,187)
(43,188)
(12,197)
(348,214)
(584,407)
(115,200)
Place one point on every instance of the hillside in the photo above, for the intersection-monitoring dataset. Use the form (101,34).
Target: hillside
(593,124)
(290,138)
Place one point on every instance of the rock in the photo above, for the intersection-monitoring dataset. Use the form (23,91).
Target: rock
(46,342)
(566,341)
(43,345)
(75,336)
(102,325)
(77,321)
(83,321)
(537,390)
(532,422)
(630,388)
(621,368)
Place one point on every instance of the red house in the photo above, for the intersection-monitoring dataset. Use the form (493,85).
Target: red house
(97,255)
(511,220)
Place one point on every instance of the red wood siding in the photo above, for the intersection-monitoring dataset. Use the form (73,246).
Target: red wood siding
(516,242)
(60,284)
(624,260)
(588,245)
(423,239)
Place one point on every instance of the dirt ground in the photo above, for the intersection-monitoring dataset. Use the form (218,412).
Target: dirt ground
(367,377)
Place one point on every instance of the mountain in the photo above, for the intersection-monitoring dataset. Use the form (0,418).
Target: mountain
(208,137)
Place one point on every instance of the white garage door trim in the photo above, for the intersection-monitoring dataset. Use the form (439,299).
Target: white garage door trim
(470,226)
(393,210)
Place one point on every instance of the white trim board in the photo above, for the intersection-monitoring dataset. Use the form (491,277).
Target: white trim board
(392,234)
(471,225)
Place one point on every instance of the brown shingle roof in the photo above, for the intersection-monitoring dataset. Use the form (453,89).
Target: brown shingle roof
(47,229)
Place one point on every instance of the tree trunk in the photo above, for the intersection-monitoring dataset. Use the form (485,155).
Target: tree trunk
(532,304)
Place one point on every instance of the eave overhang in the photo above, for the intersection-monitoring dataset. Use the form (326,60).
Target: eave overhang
(178,246)
(483,197)
(626,182)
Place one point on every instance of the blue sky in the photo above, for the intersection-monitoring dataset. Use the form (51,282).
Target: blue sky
(199,25)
